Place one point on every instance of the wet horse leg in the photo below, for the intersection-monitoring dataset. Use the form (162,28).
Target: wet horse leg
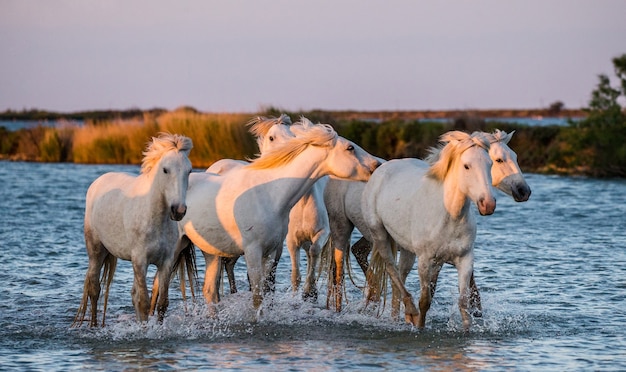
(91,289)
(465,267)
(428,271)
(361,250)
(229,265)
(475,302)
(211,278)
(294,253)
(405,264)
(270,264)
(139,291)
(384,250)
(162,279)
(318,243)
(335,289)
(256,274)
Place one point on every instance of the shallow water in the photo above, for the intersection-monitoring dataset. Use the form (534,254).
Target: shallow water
(552,274)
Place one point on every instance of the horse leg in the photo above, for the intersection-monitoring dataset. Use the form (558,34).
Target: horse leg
(211,278)
(465,267)
(475,302)
(162,279)
(155,293)
(426,268)
(91,288)
(405,264)
(339,245)
(313,259)
(335,284)
(294,253)
(256,273)
(139,291)
(361,250)
(270,265)
(229,265)
(382,253)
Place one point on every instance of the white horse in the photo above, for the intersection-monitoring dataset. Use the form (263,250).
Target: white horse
(427,211)
(246,211)
(343,202)
(507,177)
(308,220)
(134,218)
(269,132)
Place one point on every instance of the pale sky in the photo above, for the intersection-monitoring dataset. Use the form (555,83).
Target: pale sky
(244,55)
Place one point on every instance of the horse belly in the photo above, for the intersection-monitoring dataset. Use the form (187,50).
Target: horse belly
(104,222)
(214,242)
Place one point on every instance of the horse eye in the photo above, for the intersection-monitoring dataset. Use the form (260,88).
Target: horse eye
(350,148)
(165,170)
(466,166)
(271,138)
(499,160)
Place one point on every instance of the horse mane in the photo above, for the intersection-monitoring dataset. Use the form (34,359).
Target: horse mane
(499,136)
(260,125)
(452,145)
(306,134)
(160,145)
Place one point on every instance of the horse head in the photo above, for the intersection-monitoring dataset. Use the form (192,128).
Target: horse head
(464,167)
(505,171)
(167,160)
(270,132)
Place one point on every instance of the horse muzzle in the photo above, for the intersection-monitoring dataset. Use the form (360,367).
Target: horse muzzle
(177,212)
(521,193)
(486,206)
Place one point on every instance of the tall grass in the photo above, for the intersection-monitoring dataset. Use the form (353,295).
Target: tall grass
(214,136)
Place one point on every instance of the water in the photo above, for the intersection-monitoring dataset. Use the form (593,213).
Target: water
(552,272)
(15,125)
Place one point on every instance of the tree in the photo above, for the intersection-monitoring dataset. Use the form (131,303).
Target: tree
(600,139)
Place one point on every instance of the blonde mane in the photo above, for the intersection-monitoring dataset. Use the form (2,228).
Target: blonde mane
(306,134)
(453,144)
(260,125)
(160,145)
(498,136)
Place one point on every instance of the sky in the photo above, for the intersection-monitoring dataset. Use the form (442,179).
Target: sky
(247,55)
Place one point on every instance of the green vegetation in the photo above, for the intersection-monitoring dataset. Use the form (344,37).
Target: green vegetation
(595,146)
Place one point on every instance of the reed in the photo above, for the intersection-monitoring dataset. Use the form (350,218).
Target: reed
(215,136)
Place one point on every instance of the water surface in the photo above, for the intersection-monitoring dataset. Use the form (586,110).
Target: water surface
(552,274)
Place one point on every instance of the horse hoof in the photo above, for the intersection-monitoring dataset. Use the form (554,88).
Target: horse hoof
(477,313)
(310,296)
(413,319)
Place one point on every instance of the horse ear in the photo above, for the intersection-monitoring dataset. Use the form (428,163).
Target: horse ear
(508,137)
(284,119)
(501,136)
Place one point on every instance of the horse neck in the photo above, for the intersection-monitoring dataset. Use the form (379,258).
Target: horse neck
(454,200)
(157,210)
(299,176)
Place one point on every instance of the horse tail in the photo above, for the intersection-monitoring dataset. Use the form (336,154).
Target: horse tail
(327,260)
(325,265)
(110,264)
(376,277)
(186,267)
(82,309)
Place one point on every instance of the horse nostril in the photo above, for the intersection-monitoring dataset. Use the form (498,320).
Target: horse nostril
(522,193)
(178,211)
